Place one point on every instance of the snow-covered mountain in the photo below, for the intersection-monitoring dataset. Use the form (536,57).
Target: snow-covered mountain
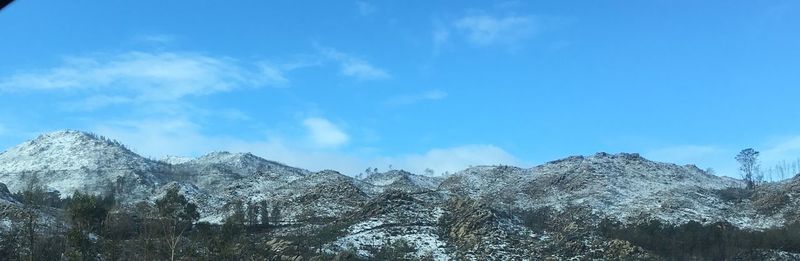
(403,180)
(620,186)
(218,170)
(174,160)
(67,161)
(473,213)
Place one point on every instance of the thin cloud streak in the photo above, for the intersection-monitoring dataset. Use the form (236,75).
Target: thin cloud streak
(159,137)
(430,95)
(485,30)
(355,67)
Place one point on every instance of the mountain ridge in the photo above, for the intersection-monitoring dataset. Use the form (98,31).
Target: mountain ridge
(478,210)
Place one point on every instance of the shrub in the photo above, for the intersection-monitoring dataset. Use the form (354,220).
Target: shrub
(735,194)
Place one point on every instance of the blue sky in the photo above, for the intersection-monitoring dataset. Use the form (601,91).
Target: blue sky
(423,84)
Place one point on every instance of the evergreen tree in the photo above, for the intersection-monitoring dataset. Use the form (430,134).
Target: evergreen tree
(264,213)
(177,215)
(145,218)
(748,160)
(252,214)
(276,214)
(86,213)
(228,242)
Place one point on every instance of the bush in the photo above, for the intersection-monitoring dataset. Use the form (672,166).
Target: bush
(398,250)
(770,203)
(538,219)
(735,194)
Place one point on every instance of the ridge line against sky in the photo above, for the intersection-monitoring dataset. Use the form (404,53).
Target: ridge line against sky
(428,85)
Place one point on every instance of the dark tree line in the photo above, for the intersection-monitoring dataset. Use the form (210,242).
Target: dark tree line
(692,240)
(98,227)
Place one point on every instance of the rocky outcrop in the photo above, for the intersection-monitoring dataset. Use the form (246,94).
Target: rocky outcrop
(5,195)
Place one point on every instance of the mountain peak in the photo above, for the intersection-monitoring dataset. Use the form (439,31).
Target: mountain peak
(69,134)
(72,139)
(67,160)
(175,160)
(228,156)
(66,149)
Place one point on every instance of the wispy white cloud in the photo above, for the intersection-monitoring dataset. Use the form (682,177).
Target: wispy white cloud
(363,70)
(784,149)
(157,39)
(500,28)
(143,77)
(365,8)
(274,75)
(353,66)
(158,137)
(429,95)
(323,133)
(146,76)
(722,158)
(485,30)
(454,158)
(97,101)
(440,35)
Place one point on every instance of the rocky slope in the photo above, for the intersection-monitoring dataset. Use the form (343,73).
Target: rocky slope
(621,186)
(67,161)
(479,213)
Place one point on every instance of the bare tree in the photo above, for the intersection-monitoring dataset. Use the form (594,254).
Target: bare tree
(749,167)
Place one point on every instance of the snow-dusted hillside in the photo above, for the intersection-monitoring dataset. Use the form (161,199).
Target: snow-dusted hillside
(622,186)
(403,180)
(219,170)
(72,160)
(474,211)
(175,160)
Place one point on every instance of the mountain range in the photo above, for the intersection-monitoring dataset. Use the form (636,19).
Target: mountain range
(479,213)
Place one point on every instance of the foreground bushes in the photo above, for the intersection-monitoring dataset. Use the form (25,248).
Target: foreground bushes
(717,241)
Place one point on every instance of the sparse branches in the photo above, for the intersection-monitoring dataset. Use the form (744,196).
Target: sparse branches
(749,167)
(783,170)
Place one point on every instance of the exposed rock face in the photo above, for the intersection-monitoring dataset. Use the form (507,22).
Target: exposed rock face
(478,232)
(5,195)
(396,215)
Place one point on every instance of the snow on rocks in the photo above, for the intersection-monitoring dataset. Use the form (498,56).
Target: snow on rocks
(67,161)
